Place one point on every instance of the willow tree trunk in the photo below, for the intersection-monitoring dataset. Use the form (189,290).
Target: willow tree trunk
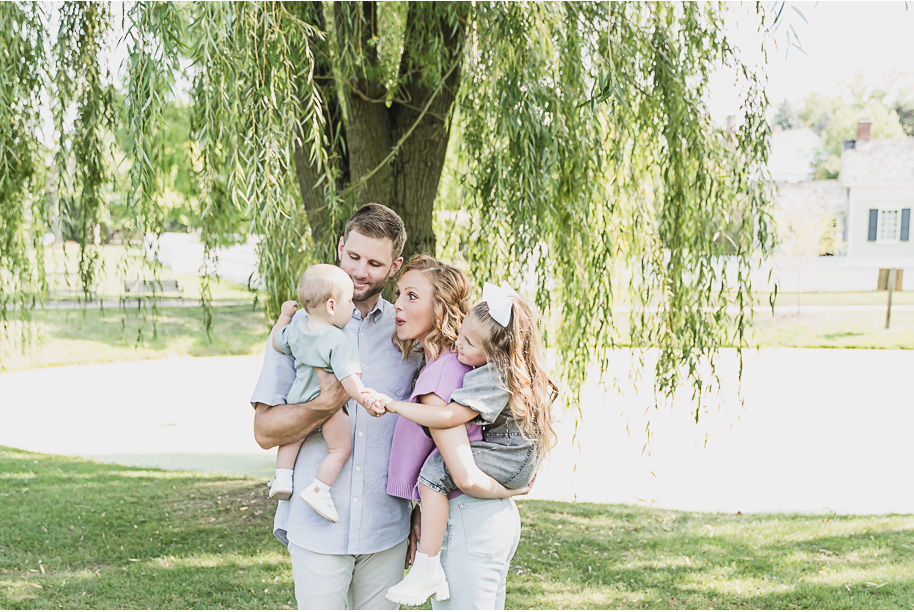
(389,155)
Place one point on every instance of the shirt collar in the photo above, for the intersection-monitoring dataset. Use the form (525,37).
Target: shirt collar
(380,307)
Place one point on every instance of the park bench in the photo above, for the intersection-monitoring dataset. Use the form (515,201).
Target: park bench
(63,286)
(162,287)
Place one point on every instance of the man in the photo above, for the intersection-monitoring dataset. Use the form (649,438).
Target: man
(350,563)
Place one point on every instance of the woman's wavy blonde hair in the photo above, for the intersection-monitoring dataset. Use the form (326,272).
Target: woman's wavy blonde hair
(450,303)
(516,352)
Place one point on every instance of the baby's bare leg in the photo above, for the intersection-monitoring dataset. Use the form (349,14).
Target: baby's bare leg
(339,447)
(287,454)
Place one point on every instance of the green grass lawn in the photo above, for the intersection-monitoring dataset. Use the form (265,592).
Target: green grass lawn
(61,267)
(842,298)
(79,534)
(857,330)
(72,337)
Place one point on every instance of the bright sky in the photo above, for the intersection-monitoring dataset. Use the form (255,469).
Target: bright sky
(840,41)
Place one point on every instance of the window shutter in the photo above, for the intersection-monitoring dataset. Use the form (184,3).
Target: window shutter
(905,222)
(874,217)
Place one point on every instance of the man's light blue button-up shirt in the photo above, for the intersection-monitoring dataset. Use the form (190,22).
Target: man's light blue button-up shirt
(370,520)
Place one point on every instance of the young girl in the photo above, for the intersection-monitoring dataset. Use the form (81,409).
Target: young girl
(510,394)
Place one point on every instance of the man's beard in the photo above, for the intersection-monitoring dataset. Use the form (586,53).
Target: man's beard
(370,291)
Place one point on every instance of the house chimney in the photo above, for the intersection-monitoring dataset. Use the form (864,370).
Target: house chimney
(863,130)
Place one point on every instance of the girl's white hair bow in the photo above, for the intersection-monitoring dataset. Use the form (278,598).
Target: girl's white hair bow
(498,299)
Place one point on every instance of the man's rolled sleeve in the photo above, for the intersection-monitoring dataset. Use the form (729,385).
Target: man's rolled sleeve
(276,377)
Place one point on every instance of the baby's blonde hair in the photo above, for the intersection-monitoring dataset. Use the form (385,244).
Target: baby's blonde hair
(451,300)
(319,283)
(517,354)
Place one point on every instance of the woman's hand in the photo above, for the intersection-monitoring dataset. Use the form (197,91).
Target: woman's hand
(523,490)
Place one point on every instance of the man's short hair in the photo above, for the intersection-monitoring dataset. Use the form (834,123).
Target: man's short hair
(378,221)
(319,283)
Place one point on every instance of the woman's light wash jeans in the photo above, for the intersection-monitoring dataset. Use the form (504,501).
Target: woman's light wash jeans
(481,539)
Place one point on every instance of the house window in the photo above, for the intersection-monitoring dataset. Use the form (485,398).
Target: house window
(889,225)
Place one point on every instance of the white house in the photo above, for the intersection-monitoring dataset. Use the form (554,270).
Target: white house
(879,178)
(863,217)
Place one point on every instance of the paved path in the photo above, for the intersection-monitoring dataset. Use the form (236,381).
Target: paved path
(821,430)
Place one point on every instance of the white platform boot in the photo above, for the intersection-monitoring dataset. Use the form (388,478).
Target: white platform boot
(425,579)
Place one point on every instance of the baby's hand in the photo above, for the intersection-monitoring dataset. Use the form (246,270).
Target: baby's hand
(288,308)
(375,402)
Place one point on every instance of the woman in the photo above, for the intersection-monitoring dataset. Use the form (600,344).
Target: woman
(432,300)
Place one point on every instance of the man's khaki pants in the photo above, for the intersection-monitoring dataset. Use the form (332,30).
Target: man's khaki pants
(337,582)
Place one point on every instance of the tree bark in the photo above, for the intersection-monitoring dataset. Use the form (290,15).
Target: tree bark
(368,136)
(307,173)
(418,165)
(408,182)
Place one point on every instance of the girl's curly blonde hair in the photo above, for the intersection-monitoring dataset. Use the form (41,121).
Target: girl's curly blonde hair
(516,352)
(451,301)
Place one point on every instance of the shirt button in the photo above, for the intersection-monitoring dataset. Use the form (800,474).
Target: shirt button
(355,499)
(358,468)
(361,434)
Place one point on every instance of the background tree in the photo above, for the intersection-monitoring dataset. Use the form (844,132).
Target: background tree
(587,170)
(786,116)
(835,120)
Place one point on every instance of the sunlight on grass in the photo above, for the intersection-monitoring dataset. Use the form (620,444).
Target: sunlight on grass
(74,337)
(105,536)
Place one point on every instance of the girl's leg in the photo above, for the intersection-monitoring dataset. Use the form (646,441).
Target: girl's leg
(453,444)
(434,520)
(426,576)
(338,438)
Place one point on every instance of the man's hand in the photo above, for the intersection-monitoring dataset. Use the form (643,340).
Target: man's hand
(288,308)
(333,395)
(415,531)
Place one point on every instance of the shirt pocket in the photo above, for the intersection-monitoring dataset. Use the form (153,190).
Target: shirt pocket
(489,527)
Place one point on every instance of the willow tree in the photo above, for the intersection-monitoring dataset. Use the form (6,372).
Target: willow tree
(586,165)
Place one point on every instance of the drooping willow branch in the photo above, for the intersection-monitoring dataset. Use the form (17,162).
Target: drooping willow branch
(23,205)
(628,197)
(591,174)
(82,80)
(154,39)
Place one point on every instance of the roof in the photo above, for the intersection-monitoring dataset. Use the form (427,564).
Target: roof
(881,161)
(792,153)
(823,197)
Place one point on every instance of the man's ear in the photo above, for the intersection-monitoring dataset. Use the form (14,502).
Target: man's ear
(395,267)
(339,249)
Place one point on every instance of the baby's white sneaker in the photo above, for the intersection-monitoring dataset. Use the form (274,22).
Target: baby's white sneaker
(321,501)
(281,486)
(425,579)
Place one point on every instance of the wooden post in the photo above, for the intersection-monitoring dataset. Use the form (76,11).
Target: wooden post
(891,287)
